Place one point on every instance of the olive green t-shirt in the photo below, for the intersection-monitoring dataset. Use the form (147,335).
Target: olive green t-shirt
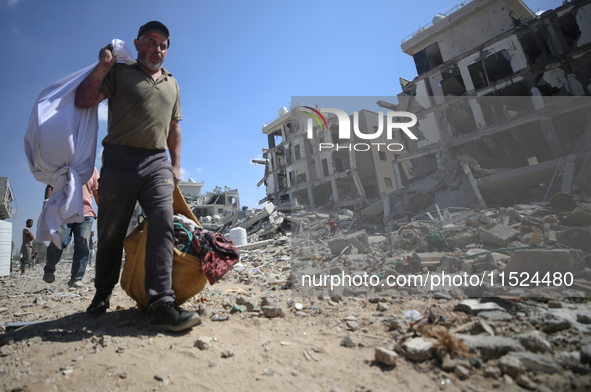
(140,108)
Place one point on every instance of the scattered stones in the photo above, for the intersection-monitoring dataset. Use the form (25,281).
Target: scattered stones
(204,343)
(419,349)
(348,341)
(538,363)
(552,324)
(584,318)
(385,356)
(271,311)
(461,372)
(227,353)
(534,341)
(491,347)
(474,306)
(524,381)
(586,354)
(511,365)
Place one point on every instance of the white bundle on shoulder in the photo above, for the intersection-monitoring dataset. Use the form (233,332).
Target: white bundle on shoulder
(60,144)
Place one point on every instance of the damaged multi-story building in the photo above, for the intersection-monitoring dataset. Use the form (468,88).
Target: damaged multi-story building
(317,169)
(503,108)
(503,93)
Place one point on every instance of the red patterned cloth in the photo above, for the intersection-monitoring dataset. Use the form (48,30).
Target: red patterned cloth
(218,255)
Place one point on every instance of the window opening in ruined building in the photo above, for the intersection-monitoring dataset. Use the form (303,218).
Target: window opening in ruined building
(334,133)
(569,28)
(271,139)
(518,89)
(571,125)
(297,152)
(493,109)
(292,181)
(338,163)
(325,167)
(312,169)
(382,156)
(346,189)
(301,178)
(302,197)
(535,48)
(308,149)
(478,75)
(490,70)
(322,193)
(452,82)
(428,58)
(288,128)
(498,66)
(281,160)
(460,118)
(278,138)
(283,183)
(388,182)
(422,166)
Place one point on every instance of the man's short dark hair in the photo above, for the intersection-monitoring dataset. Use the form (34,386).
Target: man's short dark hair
(29,220)
(156,27)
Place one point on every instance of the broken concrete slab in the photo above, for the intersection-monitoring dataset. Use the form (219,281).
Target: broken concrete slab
(538,363)
(491,347)
(534,341)
(385,356)
(473,306)
(449,264)
(541,261)
(359,240)
(255,245)
(419,349)
(267,210)
(498,236)
(576,238)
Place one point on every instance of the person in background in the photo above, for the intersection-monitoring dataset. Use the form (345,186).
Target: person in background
(144,114)
(27,246)
(333,226)
(79,230)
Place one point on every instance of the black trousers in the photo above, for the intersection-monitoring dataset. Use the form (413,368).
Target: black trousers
(129,175)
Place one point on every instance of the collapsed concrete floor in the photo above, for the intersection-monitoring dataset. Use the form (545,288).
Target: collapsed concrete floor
(262,331)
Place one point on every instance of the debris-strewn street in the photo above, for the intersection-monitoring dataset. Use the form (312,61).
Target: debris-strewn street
(259,333)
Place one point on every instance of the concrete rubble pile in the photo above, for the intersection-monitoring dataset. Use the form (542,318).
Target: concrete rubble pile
(464,337)
(511,335)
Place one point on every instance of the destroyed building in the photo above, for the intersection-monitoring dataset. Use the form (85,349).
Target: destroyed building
(504,102)
(321,170)
(215,210)
(503,118)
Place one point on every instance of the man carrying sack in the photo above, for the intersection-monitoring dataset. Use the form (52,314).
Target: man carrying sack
(144,115)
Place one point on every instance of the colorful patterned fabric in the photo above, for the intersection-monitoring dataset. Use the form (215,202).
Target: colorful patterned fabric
(218,255)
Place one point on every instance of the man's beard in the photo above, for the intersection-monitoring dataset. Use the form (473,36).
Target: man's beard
(150,65)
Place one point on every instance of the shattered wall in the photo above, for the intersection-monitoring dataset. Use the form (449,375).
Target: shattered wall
(513,54)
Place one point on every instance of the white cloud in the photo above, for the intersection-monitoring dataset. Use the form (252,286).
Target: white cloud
(185,174)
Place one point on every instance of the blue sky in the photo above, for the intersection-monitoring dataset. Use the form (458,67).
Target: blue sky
(237,62)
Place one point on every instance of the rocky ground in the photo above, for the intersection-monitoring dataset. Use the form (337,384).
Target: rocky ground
(259,334)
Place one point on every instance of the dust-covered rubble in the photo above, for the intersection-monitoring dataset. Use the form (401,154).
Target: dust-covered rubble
(476,337)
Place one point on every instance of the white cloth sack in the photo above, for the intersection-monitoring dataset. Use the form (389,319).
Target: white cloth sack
(60,144)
